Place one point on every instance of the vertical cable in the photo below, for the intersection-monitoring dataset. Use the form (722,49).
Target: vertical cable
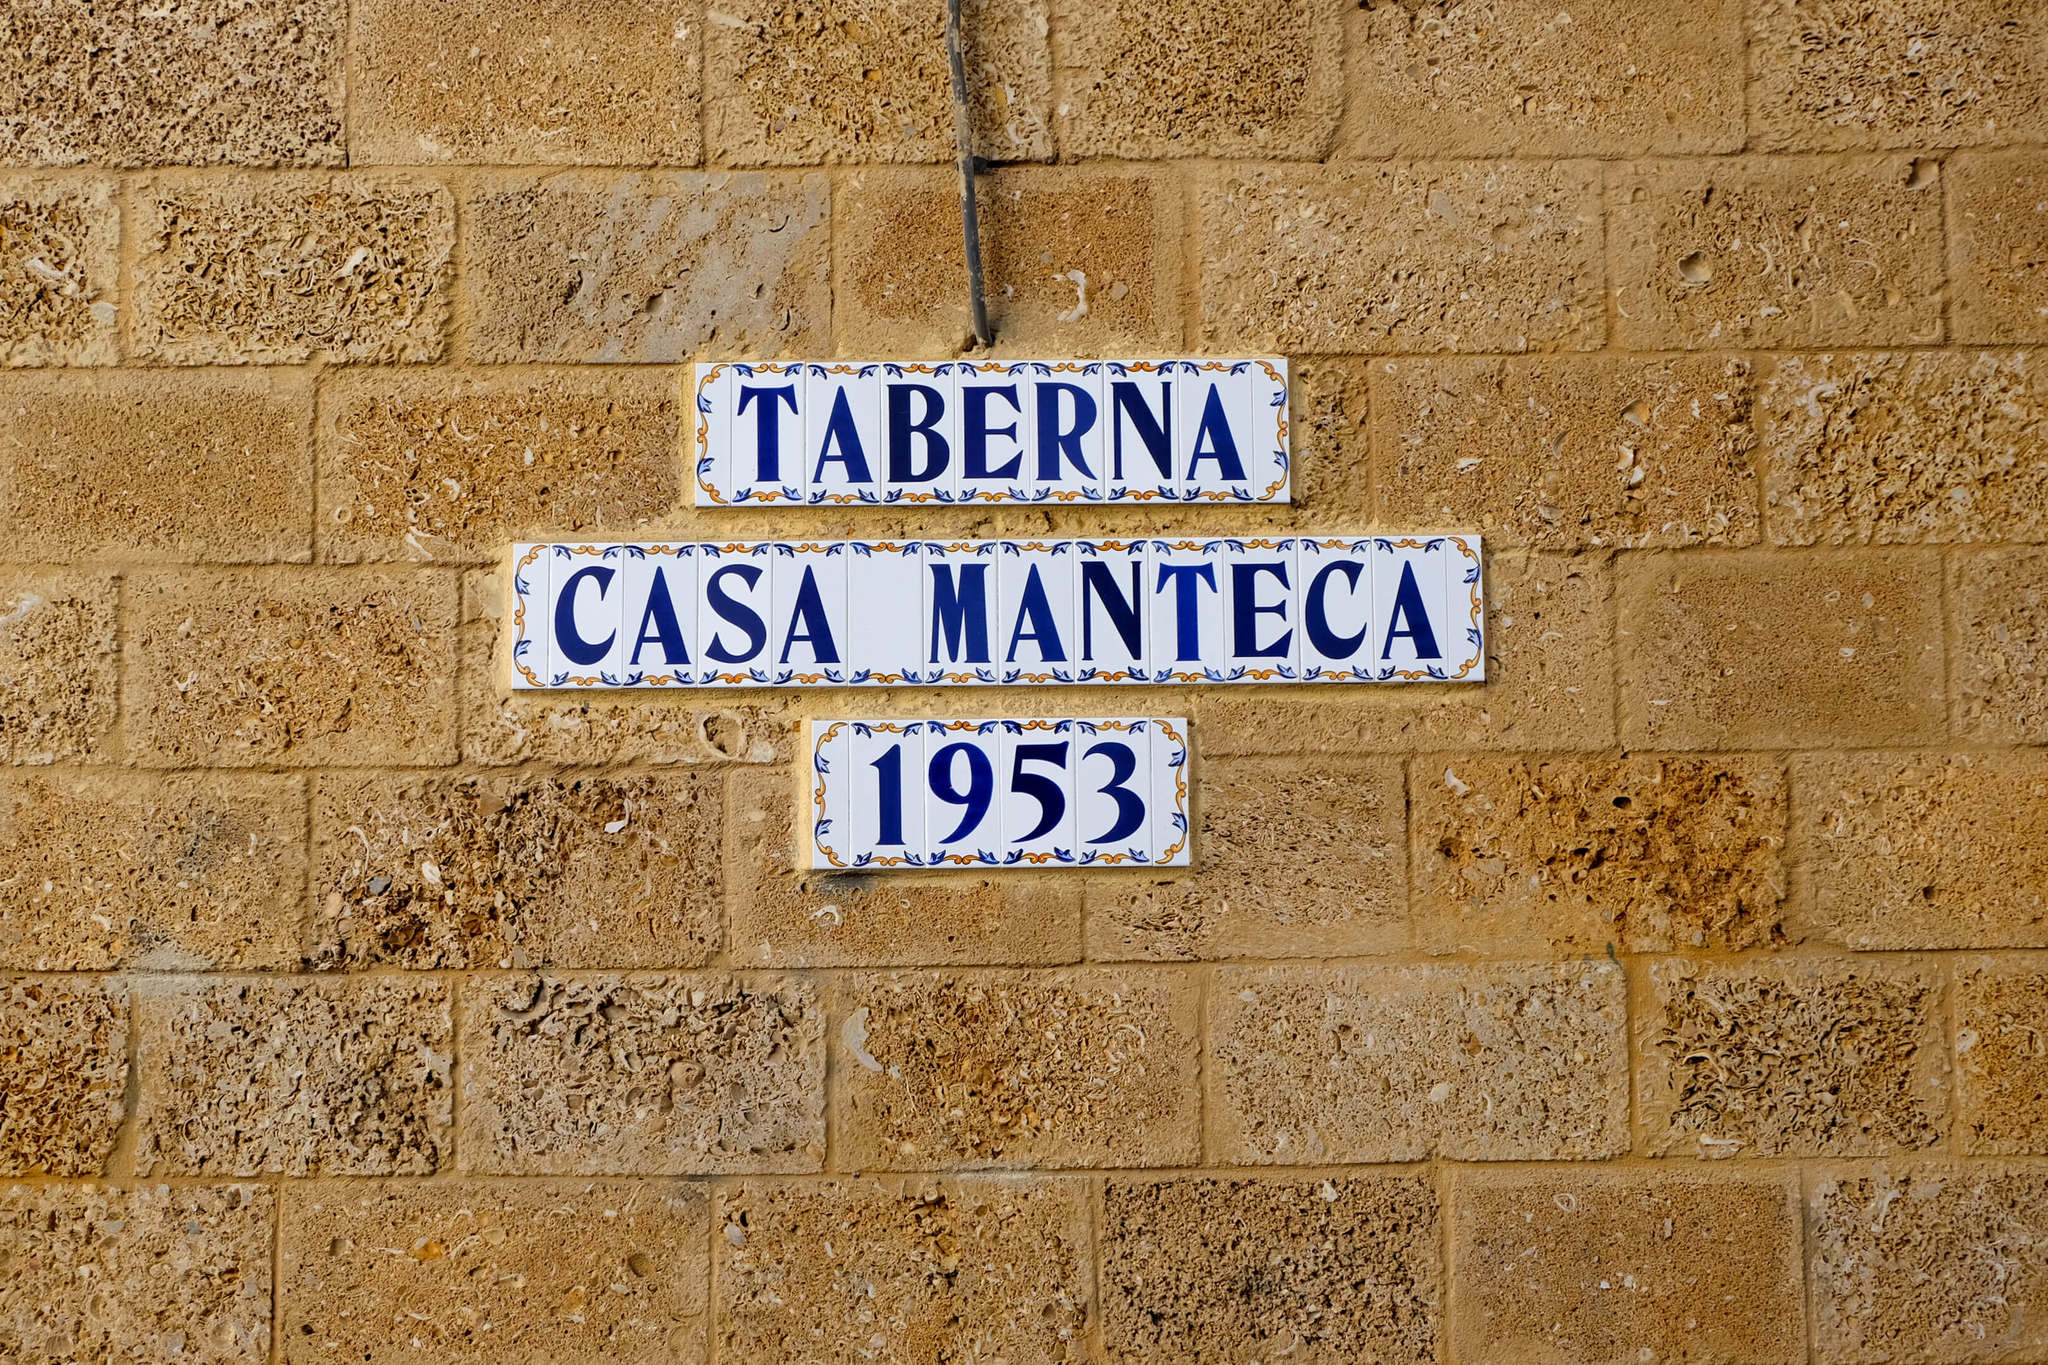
(963,138)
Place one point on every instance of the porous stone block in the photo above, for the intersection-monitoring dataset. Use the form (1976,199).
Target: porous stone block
(295,1076)
(283,269)
(1793,251)
(59,675)
(1570,855)
(589,268)
(1087,1067)
(565,1272)
(527,83)
(1601,1267)
(1569,452)
(1776,649)
(60,264)
(642,1075)
(63,1073)
(2000,671)
(1511,1062)
(1791,1057)
(1331,1270)
(1442,256)
(1329,407)
(2001,1020)
(1998,241)
(320,666)
(911,1268)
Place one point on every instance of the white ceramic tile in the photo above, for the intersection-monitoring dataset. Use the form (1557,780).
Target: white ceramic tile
(1113,792)
(843,449)
(586,646)
(993,458)
(1139,430)
(765,458)
(885,814)
(1333,609)
(1036,773)
(920,432)
(1269,462)
(1172,816)
(1067,432)
(659,615)
(1212,427)
(1410,608)
(530,569)
(808,627)
(1113,597)
(710,438)
(1261,642)
(1465,659)
(963,802)
(735,619)
(1035,611)
(831,756)
(1188,587)
(886,591)
(962,591)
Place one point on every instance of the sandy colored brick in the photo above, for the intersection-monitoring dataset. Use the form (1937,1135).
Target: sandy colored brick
(1793,251)
(60,242)
(298,668)
(1443,256)
(1569,452)
(285,269)
(1293,860)
(2001,1029)
(516,870)
(642,1075)
(1512,1062)
(147,1273)
(1604,1267)
(1076,261)
(1141,81)
(1329,406)
(790,83)
(1924,851)
(184,467)
(1582,78)
(1998,240)
(585,267)
(1777,649)
(254,82)
(551,1272)
(1086,1067)
(1943,1264)
(295,1076)
(63,1070)
(527,83)
(904,1269)
(1569,855)
(58,670)
(1999,675)
(183,872)
(1334,1270)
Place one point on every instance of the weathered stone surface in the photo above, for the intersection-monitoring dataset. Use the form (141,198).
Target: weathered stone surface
(60,263)
(147,1273)
(1569,452)
(1296,1270)
(1329,406)
(2000,672)
(296,1076)
(1598,1267)
(1092,1067)
(584,267)
(484,82)
(910,1268)
(58,670)
(1444,256)
(1518,1062)
(283,269)
(1752,252)
(321,666)
(567,1272)
(1570,855)
(1998,236)
(1779,649)
(642,1075)
(2001,1019)
(63,1069)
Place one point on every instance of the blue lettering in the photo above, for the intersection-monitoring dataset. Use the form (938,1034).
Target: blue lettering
(1408,606)
(666,630)
(960,612)
(734,612)
(1246,611)
(1045,631)
(975,431)
(768,437)
(567,639)
(902,428)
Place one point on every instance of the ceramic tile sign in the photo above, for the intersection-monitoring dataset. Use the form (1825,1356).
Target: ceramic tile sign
(854,433)
(999,792)
(886,613)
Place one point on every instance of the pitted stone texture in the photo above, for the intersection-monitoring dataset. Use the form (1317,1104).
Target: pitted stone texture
(1753,252)
(1089,1067)
(516,870)
(905,1269)
(799,83)
(1446,256)
(195,82)
(1308,1271)
(1515,1062)
(285,269)
(1329,404)
(149,1273)
(295,1077)
(320,666)
(1085,260)
(1569,452)
(1998,240)
(1295,861)
(184,872)
(60,244)
(642,1075)
(1924,851)
(2000,680)
(563,1272)
(1225,78)
(58,670)
(1585,78)
(583,267)
(1612,1267)
(2001,1014)
(1930,1263)
(157,465)
(1780,649)
(63,1071)
(1571,855)
(483,82)
(1791,1057)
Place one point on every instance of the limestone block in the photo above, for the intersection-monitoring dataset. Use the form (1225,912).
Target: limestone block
(60,263)
(2000,682)
(2001,1019)
(63,1073)
(1998,241)
(58,670)
(1329,404)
